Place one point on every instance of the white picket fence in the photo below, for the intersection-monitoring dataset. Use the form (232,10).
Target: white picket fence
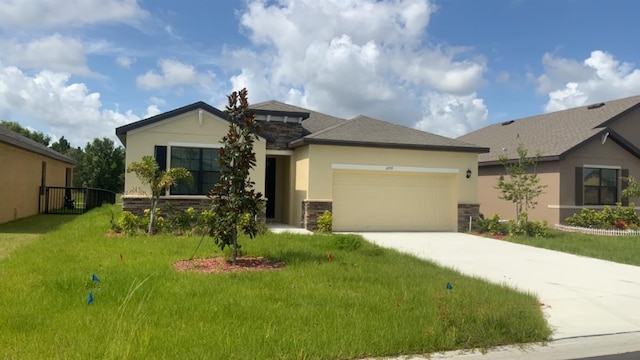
(606,232)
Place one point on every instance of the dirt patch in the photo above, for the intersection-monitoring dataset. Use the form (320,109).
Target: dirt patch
(221,265)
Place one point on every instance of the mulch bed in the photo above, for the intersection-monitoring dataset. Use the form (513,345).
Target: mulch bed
(222,265)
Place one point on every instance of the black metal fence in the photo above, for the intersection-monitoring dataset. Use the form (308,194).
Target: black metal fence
(72,200)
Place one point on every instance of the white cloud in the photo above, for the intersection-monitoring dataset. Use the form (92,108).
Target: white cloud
(152,110)
(20,14)
(125,62)
(570,83)
(68,109)
(452,115)
(56,53)
(350,57)
(172,73)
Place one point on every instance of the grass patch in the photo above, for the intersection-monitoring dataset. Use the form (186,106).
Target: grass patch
(621,249)
(366,301)
(25,231)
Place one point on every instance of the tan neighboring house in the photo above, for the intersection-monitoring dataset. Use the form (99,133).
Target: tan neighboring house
(586,153)
(28,166)
(372,175)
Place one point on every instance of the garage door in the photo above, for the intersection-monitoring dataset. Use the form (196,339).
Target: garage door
(393,201)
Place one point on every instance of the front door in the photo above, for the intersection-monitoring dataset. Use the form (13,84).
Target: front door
(270,187)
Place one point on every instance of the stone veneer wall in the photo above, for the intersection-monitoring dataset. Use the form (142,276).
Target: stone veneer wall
(279,134)
(464,212)
(311,209)
(137,205)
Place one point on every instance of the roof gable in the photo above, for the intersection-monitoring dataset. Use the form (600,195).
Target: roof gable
(366,131)
(551,135)
(122,131)
(10,137)
(313,122)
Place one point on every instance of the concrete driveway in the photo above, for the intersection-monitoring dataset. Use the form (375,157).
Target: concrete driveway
(582,296)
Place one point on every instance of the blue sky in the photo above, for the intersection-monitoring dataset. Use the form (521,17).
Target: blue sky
(80,69)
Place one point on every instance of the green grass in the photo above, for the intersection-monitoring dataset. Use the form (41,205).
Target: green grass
(621,249)
(366,301)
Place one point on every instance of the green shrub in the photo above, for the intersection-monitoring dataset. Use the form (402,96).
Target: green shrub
(497,227)
(606,218)
(325,222)
(129,223)
(480,224)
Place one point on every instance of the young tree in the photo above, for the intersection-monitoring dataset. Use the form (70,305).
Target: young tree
(149,173)
(233,197)
(521,187)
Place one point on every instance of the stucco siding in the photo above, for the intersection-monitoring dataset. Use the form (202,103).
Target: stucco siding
(629,127)
(489,196)
(183,130)
(300,172)
(21,182)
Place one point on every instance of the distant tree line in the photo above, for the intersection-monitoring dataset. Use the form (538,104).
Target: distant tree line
(99,165)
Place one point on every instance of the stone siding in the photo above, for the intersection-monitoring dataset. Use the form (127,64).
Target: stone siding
(464,212)
(278,134)
(311,210)
(137,205)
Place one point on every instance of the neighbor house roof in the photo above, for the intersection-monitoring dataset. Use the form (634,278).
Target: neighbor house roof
(366,131)
(552,135)
(315,122)
(14,139)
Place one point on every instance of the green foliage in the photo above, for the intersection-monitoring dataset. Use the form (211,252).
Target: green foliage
(129,223)
(325,222)
(159,182)
(36,136)
(103,165)
(496,227)
(633,188)
(233,197)
(607,218)
(522,186)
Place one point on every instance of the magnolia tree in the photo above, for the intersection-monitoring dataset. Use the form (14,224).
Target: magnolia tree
(522,186)
(150,174)
(234,201)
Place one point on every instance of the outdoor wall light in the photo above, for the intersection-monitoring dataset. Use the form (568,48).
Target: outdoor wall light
(468,173)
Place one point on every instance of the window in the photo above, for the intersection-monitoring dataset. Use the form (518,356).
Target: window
(203,165)
(600,186)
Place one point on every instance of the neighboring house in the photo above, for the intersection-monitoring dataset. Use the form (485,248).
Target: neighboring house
(29,167)
(372,175)
(585,154)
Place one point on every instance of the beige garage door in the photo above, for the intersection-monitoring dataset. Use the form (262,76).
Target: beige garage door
(393,201)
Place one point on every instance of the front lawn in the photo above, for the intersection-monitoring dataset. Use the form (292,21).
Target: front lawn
(365,301)
(621,249)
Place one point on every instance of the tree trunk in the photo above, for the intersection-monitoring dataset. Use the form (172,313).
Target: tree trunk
(152,217)
(234,253)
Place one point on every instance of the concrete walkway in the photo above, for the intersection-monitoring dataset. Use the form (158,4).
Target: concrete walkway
(583,297)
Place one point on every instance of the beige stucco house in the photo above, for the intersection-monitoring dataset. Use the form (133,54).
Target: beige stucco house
(372,175)
(586,153)
(29,167)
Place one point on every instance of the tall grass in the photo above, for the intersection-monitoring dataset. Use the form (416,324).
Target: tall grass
(366,301)
(621,249)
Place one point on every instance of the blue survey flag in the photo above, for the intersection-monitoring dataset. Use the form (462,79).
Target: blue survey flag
(449,286)
(95,278)
(90,300)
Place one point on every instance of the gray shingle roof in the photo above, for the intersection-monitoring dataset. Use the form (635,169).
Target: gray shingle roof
(317,121)
(553,134)
(13,138)
(366,131)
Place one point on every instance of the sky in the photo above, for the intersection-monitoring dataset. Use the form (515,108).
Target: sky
(81,68)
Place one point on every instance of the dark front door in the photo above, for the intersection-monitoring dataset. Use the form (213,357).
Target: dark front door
(270,187)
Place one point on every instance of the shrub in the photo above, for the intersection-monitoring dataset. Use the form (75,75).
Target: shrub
(129,223)
(606,218)
(480,224)
(325,222)
(497,227)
